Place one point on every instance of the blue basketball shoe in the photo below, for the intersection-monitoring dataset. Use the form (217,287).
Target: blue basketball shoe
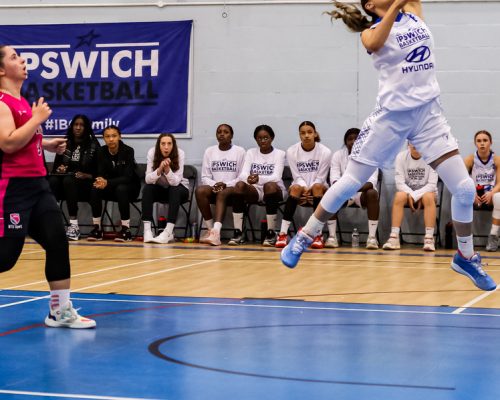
(473,269)
(290,255)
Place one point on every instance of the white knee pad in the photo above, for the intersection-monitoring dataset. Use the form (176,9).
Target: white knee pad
(462,200)
(496,206)
(339,193)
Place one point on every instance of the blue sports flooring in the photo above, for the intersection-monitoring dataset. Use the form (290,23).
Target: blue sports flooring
(212,349)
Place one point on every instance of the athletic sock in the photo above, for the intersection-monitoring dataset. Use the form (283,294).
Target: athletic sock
(466,246)
(59,298)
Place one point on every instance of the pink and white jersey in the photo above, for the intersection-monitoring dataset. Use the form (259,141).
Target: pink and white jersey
(28,161)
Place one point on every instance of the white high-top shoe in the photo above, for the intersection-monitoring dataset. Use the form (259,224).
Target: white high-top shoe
(164,238)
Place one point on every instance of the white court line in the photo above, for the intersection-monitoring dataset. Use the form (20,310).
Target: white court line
(474,301)
(68,396)
(98,270)
(119,280)
(152,273)
(274,306)
(32,252)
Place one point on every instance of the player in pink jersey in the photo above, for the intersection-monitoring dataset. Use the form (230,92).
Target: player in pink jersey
(27,206)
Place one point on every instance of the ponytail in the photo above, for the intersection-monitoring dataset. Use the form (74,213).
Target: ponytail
(352,16)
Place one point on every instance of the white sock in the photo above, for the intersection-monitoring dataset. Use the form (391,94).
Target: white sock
(332,228)
(217,227)
(147,225)
(372,228)
(97,221)
(126,222)
(466,246)
(170,228)
(429,231)
(395,231)
(494,229)
(238,221)
(73,222)
(59,298)
(271,221)
(285,225)
(209,223)
(313,227)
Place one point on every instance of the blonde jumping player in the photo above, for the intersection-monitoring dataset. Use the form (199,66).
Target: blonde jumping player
(408,107)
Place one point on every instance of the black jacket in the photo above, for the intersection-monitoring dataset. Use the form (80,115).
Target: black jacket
(87,162)
(120,168)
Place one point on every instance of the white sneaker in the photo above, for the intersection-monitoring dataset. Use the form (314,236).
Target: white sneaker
(164,238)
(392,243)
(68,318)
(148,236)
(429,243)
(372,243)
(204,238)
(332,242)
(213,238)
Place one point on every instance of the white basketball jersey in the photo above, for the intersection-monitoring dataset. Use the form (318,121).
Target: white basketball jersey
(406,66)
(484,174)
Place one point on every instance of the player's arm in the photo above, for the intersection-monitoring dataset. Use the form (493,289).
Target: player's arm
(374,38)
(12,139)
(414,7)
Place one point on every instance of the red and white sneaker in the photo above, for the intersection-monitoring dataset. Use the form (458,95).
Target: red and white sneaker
(68,317)
(281,241)
(318,242)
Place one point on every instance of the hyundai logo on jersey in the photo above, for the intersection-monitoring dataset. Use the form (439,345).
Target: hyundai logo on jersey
(419,54)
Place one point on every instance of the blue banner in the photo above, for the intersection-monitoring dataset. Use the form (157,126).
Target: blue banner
(134,75)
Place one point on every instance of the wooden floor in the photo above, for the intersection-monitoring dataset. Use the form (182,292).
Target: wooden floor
(406,277)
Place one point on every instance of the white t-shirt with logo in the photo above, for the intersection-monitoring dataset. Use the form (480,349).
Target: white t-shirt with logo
(269,166)
(309,167)
(222,166)
(415,177)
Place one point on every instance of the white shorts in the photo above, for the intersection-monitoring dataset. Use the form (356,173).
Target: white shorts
(356,199)
(384,132)
(260,190)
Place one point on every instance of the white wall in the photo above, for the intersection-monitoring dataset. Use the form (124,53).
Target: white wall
(280,64)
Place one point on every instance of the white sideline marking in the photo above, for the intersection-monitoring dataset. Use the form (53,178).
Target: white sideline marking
(68,396)
(242,304)
(473,301)
(120,280)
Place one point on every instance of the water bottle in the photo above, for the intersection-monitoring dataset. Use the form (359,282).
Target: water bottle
(194,231)
(355,238)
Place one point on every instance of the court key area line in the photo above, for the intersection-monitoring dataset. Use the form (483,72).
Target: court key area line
(70,396)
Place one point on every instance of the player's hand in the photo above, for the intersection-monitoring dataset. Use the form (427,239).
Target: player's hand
(487,198)
(56,145)
(40,111)
(411,203)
